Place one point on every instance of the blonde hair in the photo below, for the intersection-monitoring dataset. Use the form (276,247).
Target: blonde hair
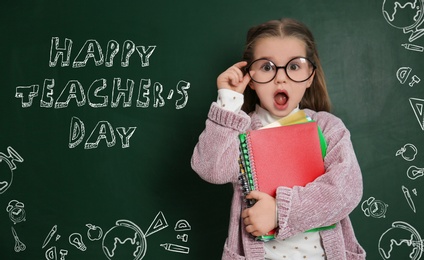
(316,96)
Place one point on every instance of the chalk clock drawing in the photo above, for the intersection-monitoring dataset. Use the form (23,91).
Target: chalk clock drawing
(6,173)
(16,211)
(400,234)
(405,15)
(374,208)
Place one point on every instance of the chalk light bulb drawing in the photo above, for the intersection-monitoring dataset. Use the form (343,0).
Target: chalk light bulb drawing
(75,239)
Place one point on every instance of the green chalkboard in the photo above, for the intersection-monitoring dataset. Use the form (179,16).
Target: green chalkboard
(102,102)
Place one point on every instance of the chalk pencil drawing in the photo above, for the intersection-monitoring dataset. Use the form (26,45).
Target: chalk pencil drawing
(16,211)
(19,246)
(176,248)
(6,175)
(49,236)
(374,208)
(405,15)
(417,105)
(407,152)
(400,234)
(408,198)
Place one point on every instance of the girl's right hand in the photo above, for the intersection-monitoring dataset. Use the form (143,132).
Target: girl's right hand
(233,78)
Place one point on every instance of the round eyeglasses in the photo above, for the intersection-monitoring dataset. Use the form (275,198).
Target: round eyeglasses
(298,69)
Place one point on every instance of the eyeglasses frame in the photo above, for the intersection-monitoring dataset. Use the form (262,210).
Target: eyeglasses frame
(314,67)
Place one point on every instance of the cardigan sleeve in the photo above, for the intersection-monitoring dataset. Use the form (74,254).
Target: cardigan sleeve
(215,156)
(332,196)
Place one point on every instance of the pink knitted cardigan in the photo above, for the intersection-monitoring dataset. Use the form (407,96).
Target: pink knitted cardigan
(327,200)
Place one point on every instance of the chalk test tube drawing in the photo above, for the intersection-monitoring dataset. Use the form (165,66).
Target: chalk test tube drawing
(414,172)
(408,198)
(6,175)
(417,105)
(402,74)
(374,208)
(401,234)
(94,232)
(408,152)
(49,236)
(75,239)
(16,211)
(19,246)
(126,234)
(405,15)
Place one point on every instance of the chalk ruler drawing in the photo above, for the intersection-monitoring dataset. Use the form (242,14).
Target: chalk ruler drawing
(6,176)
(417,105)
(402,74)
(400,234)
(405,15)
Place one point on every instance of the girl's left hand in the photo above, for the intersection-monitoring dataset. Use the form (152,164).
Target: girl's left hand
(260,219)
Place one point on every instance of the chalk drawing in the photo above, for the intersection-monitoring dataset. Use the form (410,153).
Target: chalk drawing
(400,234)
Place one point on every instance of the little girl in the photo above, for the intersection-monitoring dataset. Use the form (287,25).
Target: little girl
(280,75)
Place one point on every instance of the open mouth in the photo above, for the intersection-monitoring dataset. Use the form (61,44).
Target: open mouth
(281,98)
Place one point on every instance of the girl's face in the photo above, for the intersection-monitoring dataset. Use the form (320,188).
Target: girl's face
(281,95)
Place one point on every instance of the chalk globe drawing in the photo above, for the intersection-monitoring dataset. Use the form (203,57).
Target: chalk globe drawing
(395,240)
(403,14)
(125,241)
(6,175)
